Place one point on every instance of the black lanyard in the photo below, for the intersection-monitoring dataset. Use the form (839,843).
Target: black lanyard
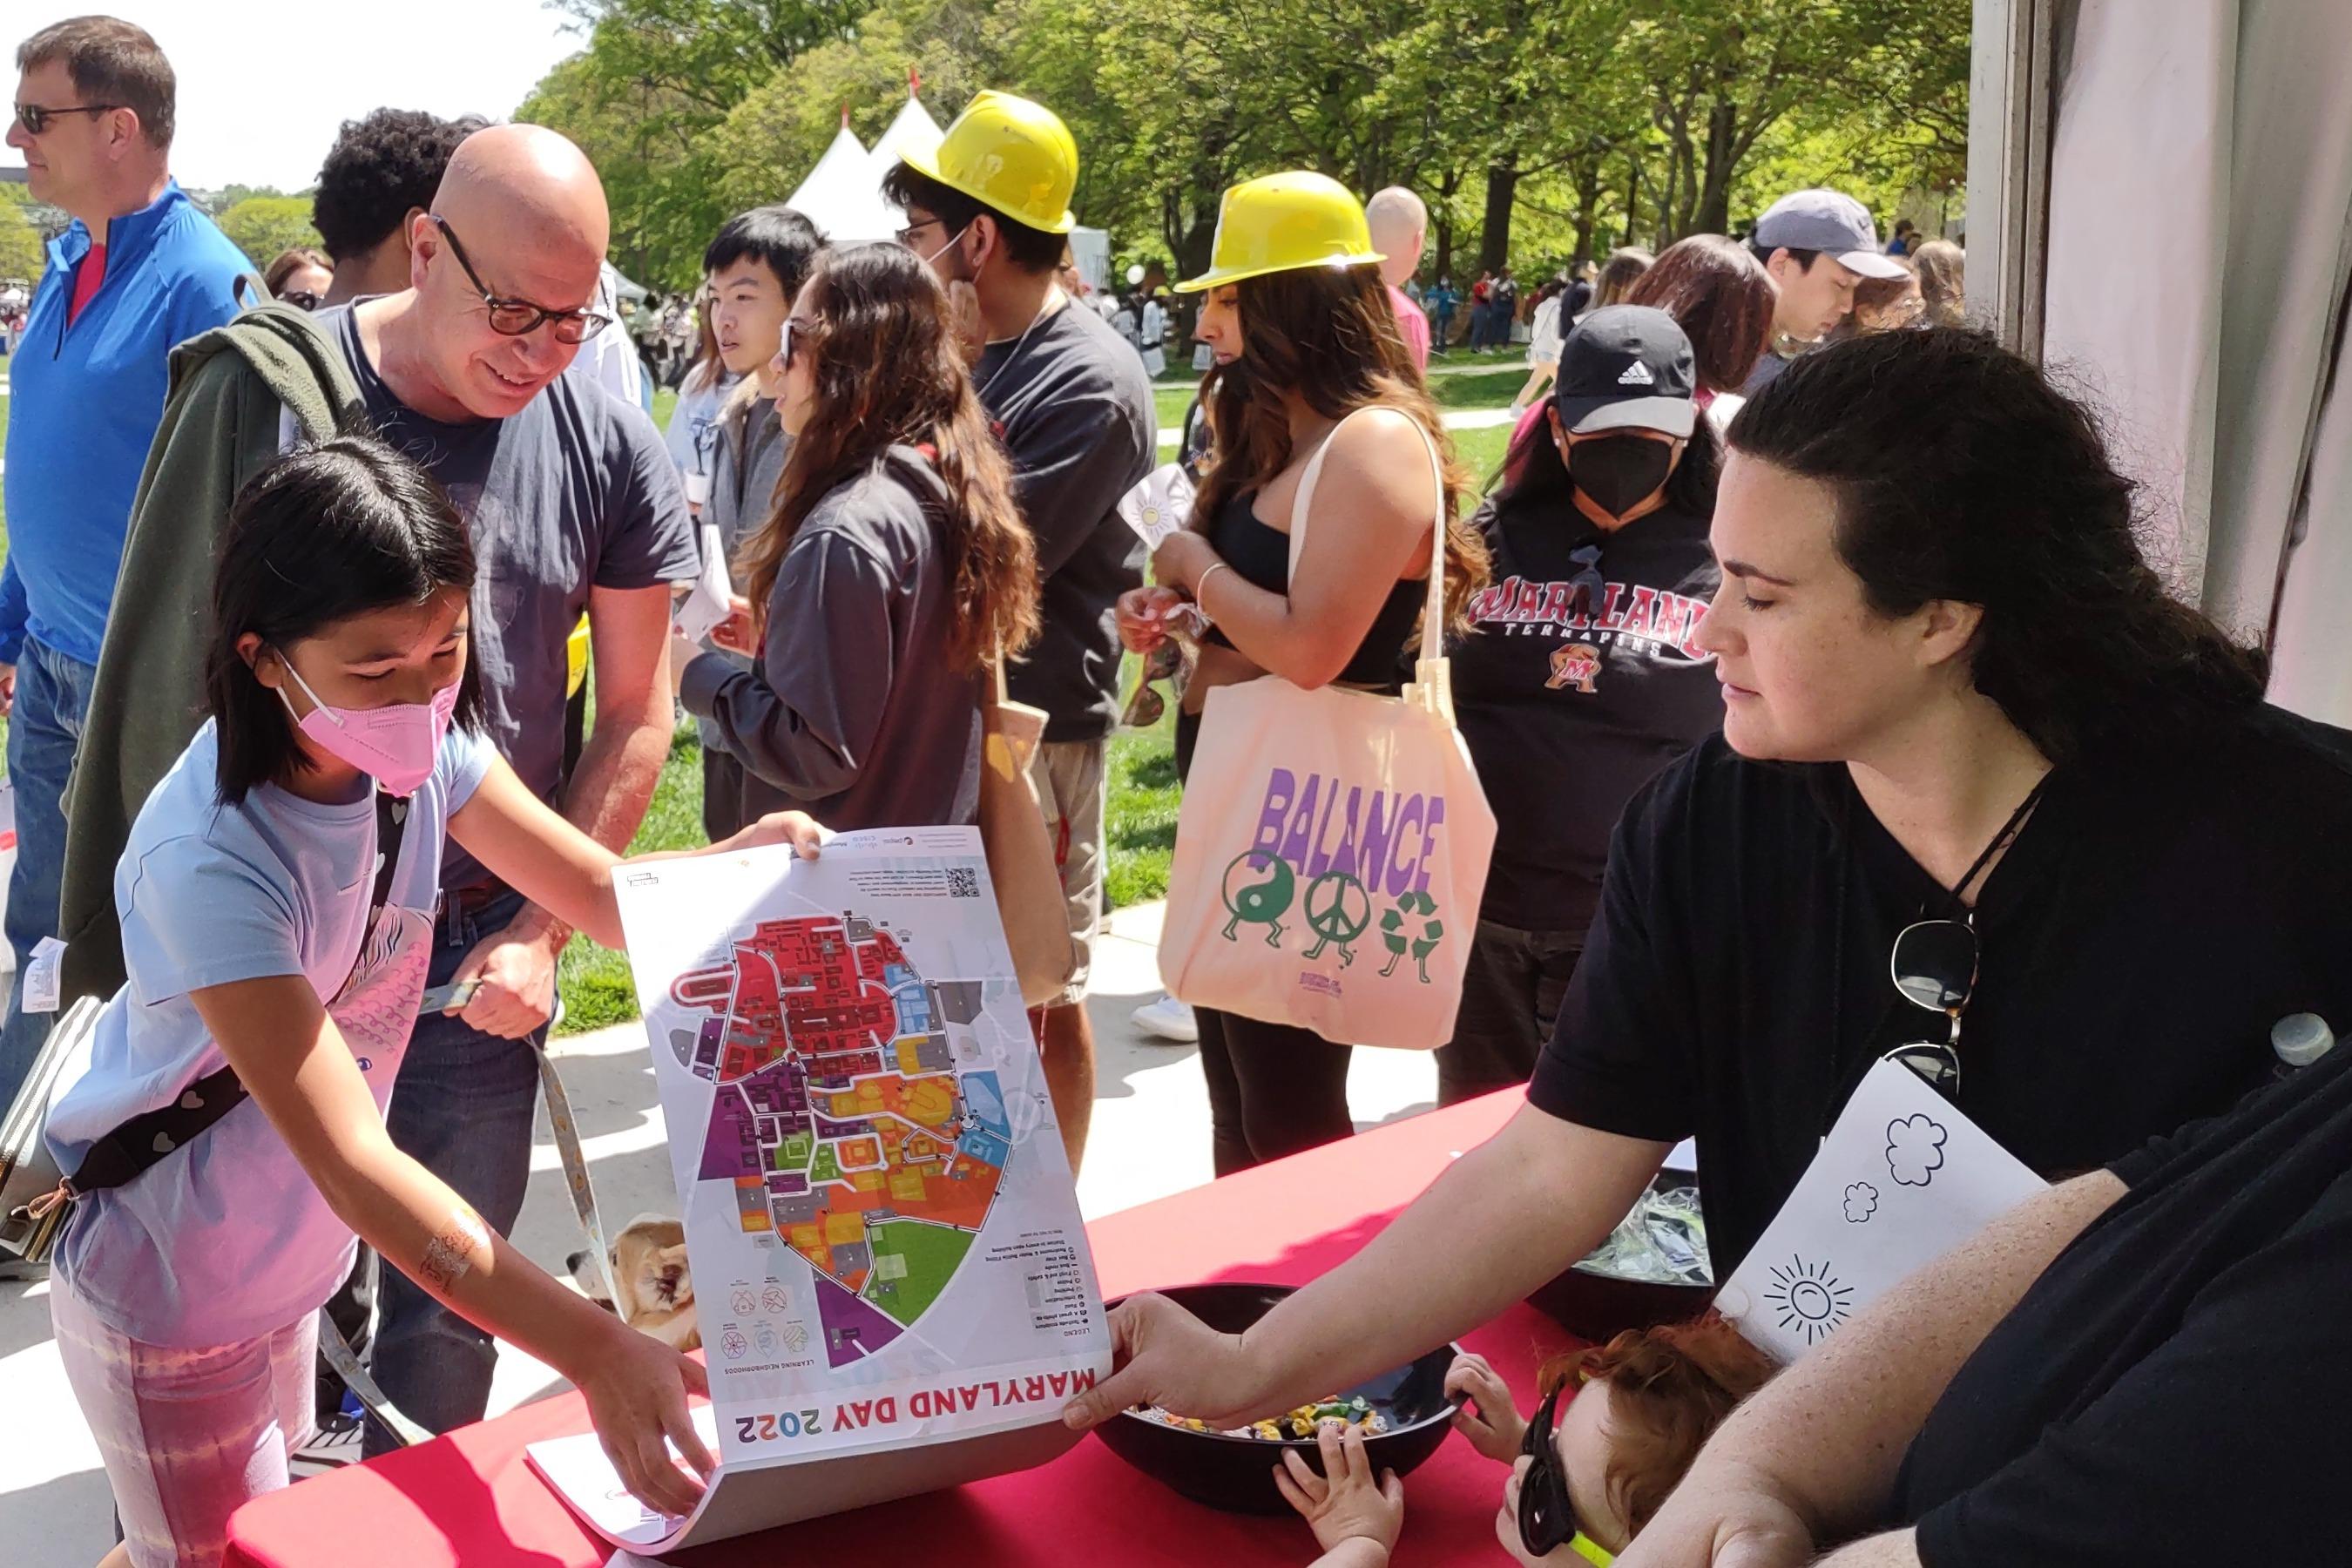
(146,1138)
(1842,1088)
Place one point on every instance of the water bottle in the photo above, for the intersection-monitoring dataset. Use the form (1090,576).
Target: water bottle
(2300,1039)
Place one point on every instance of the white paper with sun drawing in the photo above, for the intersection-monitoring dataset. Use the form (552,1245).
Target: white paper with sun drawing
(1902,1179)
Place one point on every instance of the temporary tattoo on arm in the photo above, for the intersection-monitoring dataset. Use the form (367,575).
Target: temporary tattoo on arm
(450,1254)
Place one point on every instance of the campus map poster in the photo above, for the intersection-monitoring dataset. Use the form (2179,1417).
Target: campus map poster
(881,1224)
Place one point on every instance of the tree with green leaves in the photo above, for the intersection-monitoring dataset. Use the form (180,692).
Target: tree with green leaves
(1534,128)
(646,96)
(261,226)
(22,253)
(776,134)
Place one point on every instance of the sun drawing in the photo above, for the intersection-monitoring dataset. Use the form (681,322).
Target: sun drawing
(1808,1299)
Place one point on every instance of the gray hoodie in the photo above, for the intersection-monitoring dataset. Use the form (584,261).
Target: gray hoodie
(748,460)
(746,464)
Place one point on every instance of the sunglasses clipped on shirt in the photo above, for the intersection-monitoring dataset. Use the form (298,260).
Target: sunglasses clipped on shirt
(1933,966)
(1547,1512)
(1933,963)
(35,118)
(521,318)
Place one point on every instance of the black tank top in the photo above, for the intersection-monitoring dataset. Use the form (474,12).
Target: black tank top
(1260,556)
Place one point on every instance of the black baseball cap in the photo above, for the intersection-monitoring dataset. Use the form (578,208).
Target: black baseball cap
(1627,367)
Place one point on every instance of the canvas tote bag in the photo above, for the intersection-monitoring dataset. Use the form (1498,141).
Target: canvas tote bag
(1029,898)
(1332,846)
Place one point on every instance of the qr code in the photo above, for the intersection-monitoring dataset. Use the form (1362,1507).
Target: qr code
(963,882)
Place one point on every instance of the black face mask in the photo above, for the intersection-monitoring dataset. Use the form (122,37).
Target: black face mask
(1620,472)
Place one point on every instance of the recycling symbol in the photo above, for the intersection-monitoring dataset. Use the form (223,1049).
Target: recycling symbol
(1397,936)
(1337,911)
(1261,902)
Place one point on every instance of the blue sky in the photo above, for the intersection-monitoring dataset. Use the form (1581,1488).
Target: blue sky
(264,84)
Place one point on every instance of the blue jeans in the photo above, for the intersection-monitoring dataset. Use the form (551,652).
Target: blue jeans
(462,1107)
(44,730)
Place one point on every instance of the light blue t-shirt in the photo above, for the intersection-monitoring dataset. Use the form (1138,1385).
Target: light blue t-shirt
(229,1240)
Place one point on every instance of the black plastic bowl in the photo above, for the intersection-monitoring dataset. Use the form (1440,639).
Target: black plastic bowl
(1597,1307)
(1237,1473)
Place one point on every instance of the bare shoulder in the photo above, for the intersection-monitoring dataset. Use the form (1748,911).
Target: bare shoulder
(1380,434)
(1379,460)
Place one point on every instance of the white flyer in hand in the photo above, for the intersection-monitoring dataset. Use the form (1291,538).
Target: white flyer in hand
(892,1281)
(707,601)
(1902,1179)
(1159,504)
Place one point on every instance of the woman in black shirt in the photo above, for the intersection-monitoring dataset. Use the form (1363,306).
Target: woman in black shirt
(1584,675)
(1310,365)
(2149,1364)
(1934,610)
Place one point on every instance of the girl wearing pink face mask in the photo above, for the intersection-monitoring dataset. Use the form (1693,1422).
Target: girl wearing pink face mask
(276,900)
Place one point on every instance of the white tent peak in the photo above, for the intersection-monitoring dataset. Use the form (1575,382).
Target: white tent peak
(841,194)
(913,130)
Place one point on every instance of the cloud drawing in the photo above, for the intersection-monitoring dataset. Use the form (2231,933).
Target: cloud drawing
(1914,1149)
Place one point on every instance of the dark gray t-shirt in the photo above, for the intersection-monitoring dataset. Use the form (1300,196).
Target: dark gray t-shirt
(1074,409)
(855,713)
(575,492)
(1768,366)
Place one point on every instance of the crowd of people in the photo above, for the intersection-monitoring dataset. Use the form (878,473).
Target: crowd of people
(1799,621)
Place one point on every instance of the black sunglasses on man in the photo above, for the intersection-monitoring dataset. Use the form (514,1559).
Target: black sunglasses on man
(35,118)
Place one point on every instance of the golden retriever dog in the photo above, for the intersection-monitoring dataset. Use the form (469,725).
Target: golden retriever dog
(650,1271)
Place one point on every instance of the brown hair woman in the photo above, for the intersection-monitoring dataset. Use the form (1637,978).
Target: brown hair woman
(1722,298)
(894,567)
(1310,361)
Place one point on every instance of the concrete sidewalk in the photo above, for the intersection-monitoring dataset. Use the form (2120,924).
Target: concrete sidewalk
(1150,1138)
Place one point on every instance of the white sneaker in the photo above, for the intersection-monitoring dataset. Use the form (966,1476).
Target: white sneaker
(1168,1019)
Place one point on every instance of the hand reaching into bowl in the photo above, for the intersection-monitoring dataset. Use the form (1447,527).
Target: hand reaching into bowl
(1168,1357)
(1495,1428)
(1356,1519)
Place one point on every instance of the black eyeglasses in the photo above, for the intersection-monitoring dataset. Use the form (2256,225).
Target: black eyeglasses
(1934,966)
(1547,1512)
(521,318)
(907,234)
(36,118)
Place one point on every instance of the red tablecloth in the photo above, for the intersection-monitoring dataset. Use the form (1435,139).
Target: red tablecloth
(469,1499)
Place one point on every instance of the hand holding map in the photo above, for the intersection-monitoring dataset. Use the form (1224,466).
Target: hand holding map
(893,1278)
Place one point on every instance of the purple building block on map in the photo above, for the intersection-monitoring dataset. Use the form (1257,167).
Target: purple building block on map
(731,1149)
(852,1329)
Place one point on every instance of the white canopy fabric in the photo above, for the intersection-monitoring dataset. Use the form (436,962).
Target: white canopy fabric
(2198,255)
(841,194)
(913,130)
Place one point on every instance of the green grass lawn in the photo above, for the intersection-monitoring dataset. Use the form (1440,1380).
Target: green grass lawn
(1472,389)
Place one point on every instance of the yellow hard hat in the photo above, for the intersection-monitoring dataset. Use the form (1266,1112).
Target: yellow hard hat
(1011,154)
(1283,223)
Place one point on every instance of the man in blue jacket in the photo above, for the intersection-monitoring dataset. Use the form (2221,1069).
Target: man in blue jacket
(140,269)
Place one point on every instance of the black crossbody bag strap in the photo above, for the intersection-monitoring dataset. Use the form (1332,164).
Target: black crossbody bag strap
(146,1138)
